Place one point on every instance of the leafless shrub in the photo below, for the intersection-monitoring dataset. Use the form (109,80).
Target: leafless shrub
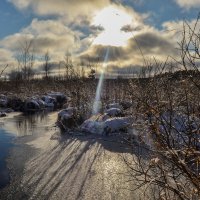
(166,165)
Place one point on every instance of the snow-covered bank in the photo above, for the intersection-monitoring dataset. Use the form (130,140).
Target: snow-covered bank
(113,120)
(33,103)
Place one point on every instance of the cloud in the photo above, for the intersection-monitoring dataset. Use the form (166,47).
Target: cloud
(96,54)
(188,4)
(152,43)
(49,35)
(69,8)
(5,56)
(71,29)
(128,28)
(21,4)
(174,29)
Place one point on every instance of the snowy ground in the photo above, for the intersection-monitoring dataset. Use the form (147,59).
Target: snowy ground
(70,167)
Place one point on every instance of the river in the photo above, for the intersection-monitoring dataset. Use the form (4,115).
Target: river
(41,163)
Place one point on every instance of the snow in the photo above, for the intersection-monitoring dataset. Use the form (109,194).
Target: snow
(42,103)
(32,104)
(113,112)
(116,124)
(49,101)
(99,124)
(67,119)
(94,125)
(179,127)
(56,94)
(66,113)
(114,105)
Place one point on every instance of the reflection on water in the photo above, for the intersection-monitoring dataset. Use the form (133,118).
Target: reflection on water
(29,124)
(26,124)
(5,145)
(19,125)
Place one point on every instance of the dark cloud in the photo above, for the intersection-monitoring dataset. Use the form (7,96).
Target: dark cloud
(130,69)
(130,57)
(97,53)
(128,28)
(96,29)
(52,66)
(152,43)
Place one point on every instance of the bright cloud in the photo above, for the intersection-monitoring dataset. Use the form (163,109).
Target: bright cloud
(49,35)
(69,8)
(6,57)
(187,4)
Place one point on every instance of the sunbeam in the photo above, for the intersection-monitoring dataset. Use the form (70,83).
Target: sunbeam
(96,105)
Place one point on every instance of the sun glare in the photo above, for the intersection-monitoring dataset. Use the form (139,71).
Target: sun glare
(112,20)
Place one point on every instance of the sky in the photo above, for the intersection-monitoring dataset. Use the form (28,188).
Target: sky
(133,30)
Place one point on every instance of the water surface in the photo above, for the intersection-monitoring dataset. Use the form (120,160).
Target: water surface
(5,145)
(17,126)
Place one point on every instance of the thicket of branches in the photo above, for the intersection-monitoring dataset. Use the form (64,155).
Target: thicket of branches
(167,112)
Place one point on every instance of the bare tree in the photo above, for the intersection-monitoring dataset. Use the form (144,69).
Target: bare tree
(26,58)
(46,64)
(15,75)
(68,65)
(3,70)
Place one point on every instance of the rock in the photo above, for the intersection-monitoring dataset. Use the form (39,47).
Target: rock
(3,114)
(49,101)
(114,105)
(116,124)
(103,124)
(31,105)
(8,110)
(67,118)
(41,103)
(15,103)
(94,124)
(114,112)
(125,105)
(71,111)
(60,98)
(3,101)
(65,106)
